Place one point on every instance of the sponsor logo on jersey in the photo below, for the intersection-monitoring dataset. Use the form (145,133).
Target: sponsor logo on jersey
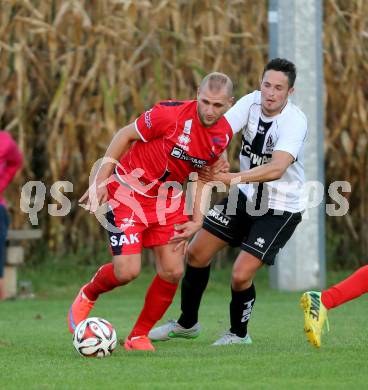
(260,242)
(127,222)
(269,144)
(124,239)
(184,139)
(219,217)
(219,145)
(182,155)
(187,126)
(147,118)
(254,158)
(217,141)
(260,129)
(176,152)
(185,147)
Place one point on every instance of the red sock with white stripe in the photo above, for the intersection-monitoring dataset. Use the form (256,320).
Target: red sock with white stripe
(159,296)
(352,287)
(103,281)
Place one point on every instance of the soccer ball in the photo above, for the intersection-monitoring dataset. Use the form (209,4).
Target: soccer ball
(94,337)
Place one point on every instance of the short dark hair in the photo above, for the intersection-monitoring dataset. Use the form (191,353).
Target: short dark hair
(282,65)
(216,81)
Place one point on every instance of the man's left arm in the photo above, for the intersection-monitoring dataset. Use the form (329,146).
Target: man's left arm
(270,171)
(285,153)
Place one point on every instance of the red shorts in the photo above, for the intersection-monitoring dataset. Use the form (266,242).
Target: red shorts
(135,221)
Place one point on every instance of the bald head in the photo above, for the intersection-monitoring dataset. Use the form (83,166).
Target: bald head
(217,81)
(214,98)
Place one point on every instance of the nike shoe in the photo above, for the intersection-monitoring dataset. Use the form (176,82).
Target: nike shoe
(315,315)
(79,310)
(231,338)
(173,330)
(139,343)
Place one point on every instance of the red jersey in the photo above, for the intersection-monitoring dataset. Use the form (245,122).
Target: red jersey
(173,144)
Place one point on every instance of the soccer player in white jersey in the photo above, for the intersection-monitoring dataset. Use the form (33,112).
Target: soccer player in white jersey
(264,215)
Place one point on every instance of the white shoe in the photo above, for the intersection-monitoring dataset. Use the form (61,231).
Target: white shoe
(231,338)
(173,330)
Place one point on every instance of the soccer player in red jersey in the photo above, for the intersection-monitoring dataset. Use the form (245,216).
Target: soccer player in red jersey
(146,204)
(316,304)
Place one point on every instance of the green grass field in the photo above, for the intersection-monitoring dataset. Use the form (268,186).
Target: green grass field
(36,351)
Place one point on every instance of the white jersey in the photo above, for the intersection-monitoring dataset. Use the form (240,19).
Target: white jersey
(261,136)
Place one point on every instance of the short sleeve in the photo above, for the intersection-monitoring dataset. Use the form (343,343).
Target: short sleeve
(292,136)
(155,122)
(237,115)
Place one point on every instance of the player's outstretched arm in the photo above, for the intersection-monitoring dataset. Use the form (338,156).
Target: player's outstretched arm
(97,192)
(222,165)
(272,170)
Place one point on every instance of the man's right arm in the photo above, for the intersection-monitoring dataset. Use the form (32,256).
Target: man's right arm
(119,145)
(149,125)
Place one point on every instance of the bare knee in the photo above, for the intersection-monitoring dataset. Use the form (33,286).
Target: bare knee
(172,275)
(195,259)
(244,270)
(241,279)
(126,273)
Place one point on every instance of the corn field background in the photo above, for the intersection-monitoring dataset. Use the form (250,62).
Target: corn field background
(73,72)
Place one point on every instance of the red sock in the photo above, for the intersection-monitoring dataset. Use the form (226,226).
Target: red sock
(104,280)
(352,287)
(159,296)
